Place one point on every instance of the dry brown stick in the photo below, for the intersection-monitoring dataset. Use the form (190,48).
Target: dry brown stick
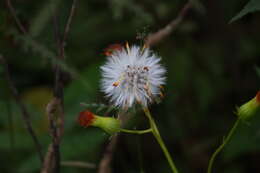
(17,21)
(48,160)
(158,36)
(78,164)
(10,123)
(59,83)
(55,108)
(67,28)
(52,158)
(105,163)
(25,112)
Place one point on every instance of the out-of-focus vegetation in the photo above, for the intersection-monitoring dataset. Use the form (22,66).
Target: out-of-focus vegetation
(213,66)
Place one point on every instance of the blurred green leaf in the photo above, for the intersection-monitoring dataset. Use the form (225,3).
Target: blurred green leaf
(245,140)
(85,89)
(43,17)
(257,69)
(84,144)
(250,7)
(30,164)
(121,6)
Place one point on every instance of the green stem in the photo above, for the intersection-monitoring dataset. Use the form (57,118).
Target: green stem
(225,141)
(158,137)
(136,131)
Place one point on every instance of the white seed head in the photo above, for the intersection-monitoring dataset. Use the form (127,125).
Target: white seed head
(132,75)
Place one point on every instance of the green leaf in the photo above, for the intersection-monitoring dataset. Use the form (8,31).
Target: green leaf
(245,140)
(84,144)
(257,69)
(42,18)
(250,7)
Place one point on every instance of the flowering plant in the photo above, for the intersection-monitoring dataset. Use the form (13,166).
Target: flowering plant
(131,75)
(134,76)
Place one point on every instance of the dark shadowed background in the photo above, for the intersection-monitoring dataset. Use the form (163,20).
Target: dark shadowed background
(212,67)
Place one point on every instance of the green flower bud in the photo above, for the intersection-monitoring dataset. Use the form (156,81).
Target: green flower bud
(250,108)
(108,124)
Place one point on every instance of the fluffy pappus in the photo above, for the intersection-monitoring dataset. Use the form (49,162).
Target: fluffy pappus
(132,75)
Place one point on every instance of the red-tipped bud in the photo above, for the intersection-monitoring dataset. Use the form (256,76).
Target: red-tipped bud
(250,108)
(258,97)
(108,124)
(86,118)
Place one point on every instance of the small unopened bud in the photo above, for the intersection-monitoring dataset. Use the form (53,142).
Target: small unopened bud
(108,124)
(250,108)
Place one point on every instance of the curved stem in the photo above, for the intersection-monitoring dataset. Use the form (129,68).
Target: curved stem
(136,131)
(158,137)
(225,141)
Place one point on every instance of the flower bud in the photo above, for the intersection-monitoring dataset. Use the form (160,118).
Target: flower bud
(250,108)
(108,124)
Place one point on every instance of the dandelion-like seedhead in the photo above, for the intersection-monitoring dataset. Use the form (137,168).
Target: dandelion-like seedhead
(132,75)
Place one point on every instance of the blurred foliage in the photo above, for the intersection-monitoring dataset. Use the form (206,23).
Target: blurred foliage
(212,67)
(251,6)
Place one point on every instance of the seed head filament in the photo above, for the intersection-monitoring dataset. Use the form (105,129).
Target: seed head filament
(132,75)
(135,80)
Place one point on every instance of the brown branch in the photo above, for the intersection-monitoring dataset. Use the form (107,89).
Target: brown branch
(17,21)
(10,123)
(158,36)
(59,73)
(55,108)
(52,158)
(67,28)
(105,163)
(48,160)
(25,112)
(78,164)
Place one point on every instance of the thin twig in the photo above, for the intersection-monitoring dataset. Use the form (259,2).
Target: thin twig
(105,163)
(55,108)
(78,164)
(158,36)
(52,162)
(48,160)
(17,21)
(67,28)
(25,113)
(10,123)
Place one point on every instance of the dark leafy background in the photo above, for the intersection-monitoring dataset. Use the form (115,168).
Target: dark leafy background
(213,66)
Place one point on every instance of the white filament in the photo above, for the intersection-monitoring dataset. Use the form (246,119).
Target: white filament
(131,76)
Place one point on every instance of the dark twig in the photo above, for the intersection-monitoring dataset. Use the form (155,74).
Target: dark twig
(55,108)
(52,158)
(78,164)
(17,21)
(158,36)
(67,28)
(105,163)
(48,160)
(10,123)
(25,113)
